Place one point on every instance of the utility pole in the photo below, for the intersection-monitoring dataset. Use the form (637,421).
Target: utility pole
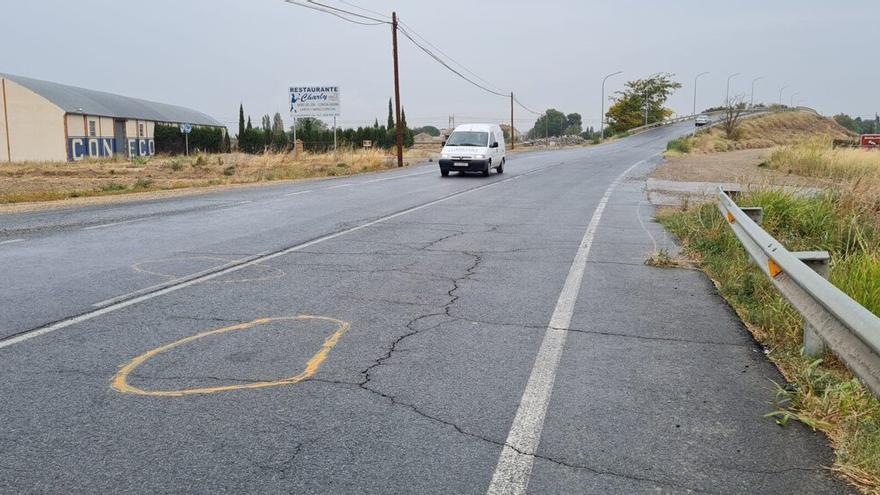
(646,107)
(602,117)
(397,90)
(512,131)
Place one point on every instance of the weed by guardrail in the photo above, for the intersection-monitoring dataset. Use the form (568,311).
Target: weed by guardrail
(821,393)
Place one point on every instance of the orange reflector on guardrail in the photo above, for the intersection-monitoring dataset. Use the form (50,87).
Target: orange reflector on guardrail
(729,217)
(774,269)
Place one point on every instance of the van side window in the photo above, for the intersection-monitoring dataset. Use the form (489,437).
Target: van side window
(494,139)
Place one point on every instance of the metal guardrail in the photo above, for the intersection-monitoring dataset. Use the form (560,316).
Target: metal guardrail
(848,329)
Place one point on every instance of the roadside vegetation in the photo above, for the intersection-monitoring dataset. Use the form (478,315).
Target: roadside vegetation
(822,393)
(777,129)
(817,157)
(42,181)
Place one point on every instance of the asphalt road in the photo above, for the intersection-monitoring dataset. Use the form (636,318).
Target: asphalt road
(389,333)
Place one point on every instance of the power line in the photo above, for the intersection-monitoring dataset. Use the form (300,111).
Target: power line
(450,58)
(340,13)
(450,68)
(347,12)
(527,109)
(410,34)
(363,9)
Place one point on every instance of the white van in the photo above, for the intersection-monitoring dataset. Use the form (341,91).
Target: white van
(474,148)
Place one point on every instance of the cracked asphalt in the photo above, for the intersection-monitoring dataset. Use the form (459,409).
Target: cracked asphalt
(659,389)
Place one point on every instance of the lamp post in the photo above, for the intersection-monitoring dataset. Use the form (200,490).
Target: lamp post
(752,99)
(695,90)
(780,93)
(602,119)
(791,101)
(727,98)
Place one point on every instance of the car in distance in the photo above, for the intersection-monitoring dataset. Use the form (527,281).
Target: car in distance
(702,120)
(474,148)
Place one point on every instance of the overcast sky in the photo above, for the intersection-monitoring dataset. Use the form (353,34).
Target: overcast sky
(212,54)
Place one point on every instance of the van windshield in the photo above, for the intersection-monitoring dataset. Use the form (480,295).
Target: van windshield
(468,138)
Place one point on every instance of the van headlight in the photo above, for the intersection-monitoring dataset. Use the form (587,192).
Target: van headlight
(479,157)
(445,156)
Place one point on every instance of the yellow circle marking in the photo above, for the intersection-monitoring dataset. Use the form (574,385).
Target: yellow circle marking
(120,380)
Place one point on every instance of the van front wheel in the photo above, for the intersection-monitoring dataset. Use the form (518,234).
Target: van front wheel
(488,169)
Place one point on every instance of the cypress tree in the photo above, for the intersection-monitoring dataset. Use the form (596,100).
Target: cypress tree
(249,125)
(390,115)
(240,120)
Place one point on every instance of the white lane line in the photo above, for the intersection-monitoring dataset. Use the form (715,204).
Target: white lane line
(398,177)
(299,192)
(173,281)
(111,224)
(11,241)
(167,290)
(337,187)
(514,468)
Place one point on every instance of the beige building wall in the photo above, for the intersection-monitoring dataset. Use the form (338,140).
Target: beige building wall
(35,126)
(4,149)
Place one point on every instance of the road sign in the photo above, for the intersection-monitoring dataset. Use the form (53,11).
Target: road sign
(368,143)
(186,128)
(870,140)
(314,101)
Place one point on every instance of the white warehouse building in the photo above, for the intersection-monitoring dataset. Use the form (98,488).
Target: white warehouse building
(46,121)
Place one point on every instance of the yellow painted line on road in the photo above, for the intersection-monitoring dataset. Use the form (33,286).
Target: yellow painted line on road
(120,380)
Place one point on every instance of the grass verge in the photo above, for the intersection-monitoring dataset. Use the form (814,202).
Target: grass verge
(817,158)
(49,181)
(820,393)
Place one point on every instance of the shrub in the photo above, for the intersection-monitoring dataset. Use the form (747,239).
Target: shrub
(681,145)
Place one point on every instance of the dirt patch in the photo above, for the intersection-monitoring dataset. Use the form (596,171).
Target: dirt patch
(740,167)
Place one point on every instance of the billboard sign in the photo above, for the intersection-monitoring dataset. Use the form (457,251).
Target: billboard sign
(870,140)
(314,101)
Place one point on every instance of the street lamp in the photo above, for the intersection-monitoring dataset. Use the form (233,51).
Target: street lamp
(780,93)
(752,99)
(727,99)
(695,90)
(791,102)
(602,120)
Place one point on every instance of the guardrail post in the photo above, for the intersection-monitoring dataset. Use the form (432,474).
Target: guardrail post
(820,262)
(756,213)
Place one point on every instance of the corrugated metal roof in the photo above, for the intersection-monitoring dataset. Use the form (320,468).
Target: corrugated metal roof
(76,100)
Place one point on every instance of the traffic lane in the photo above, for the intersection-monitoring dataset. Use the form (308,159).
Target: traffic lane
(13,224)
(74,271)
(395,280)
(661,388)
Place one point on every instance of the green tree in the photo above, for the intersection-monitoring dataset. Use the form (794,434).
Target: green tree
(408,136)
(848,122)
(240,120)
(428,129)
(249,125)
(574,124)
(552,123)
(628,110)
(390,115)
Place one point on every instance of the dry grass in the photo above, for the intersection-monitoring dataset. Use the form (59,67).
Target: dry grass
(816,158)
(778,129)
(50,181)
